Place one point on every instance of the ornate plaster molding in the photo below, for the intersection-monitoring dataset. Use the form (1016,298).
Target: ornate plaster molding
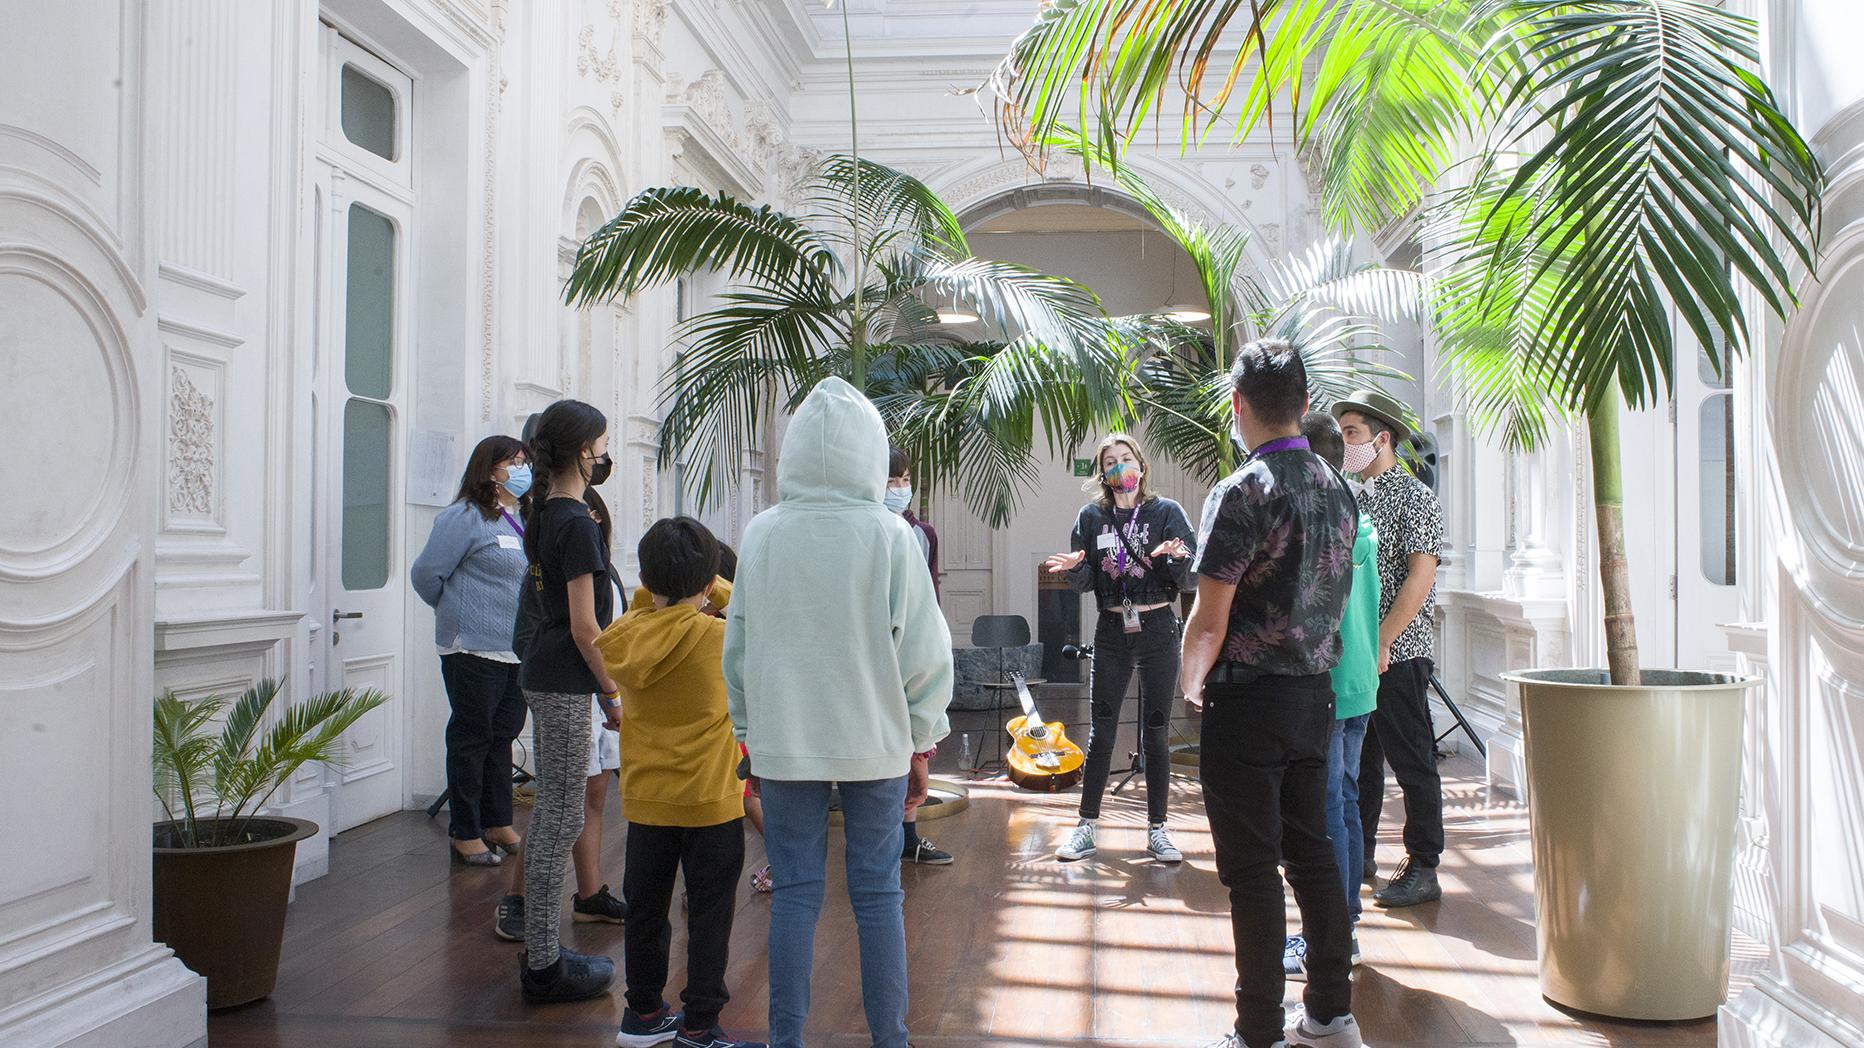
(191,469)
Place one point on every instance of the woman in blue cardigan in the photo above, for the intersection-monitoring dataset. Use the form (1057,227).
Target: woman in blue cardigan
(469,574)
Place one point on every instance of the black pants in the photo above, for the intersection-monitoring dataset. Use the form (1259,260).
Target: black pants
(712,857)
(488,712)
(1154,652)
(1401,732)
(1264,769)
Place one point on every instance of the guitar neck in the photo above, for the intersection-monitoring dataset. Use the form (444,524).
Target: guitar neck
(1023,696)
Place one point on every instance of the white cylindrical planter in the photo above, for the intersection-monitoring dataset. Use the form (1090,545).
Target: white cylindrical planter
(1632,795)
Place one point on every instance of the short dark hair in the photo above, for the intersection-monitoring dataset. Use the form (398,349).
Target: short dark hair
(727,562)
(679,558)
(898,465)
(1323,437)
(1374,424)
(1272,378)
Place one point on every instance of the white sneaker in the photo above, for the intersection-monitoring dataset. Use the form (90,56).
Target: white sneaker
(1080,843)
(1159,845)
(1342,1032)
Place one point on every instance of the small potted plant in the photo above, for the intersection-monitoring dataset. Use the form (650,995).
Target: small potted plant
(222,869)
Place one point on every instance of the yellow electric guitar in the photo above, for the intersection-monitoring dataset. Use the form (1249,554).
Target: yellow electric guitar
(1041,757)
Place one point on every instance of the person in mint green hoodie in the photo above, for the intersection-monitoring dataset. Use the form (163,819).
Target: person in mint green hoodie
(1355,693)
(838,670)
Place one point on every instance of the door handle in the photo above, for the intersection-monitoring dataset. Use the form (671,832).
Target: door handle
(337,616)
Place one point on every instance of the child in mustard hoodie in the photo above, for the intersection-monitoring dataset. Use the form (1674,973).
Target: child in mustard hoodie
(679,786)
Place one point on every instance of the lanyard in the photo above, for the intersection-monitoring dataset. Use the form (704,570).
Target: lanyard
(509,519)
(1130,532)
(1281,444)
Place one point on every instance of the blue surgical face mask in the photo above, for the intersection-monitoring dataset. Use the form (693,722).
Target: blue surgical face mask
(898,499)
(518,479)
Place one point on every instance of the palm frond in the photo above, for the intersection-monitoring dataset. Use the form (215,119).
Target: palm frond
(888,199)
(237,731)
(666,232)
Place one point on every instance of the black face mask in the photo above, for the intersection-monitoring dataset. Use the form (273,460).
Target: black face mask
(600,468)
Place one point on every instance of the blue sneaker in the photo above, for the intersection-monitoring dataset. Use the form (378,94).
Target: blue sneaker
(713,1038)
(643,1031)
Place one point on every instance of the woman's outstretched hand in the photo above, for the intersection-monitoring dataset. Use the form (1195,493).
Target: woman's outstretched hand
(1061,562)
(1172,548)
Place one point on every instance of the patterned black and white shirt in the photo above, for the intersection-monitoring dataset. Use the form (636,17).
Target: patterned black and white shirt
(1409,520)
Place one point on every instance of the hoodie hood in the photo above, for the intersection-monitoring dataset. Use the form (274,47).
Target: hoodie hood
(835,451)
(1365,545)
(647,644)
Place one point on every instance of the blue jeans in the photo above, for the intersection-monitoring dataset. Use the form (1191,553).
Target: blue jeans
(1349,845)
(796,841)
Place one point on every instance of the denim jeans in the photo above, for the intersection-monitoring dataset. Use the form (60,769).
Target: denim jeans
(1264,772)
(796,841)
(1349,847)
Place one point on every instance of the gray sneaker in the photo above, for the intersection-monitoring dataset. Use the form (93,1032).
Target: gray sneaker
(1080,844)
(1303,1032)
(1413,886)
(1159,845)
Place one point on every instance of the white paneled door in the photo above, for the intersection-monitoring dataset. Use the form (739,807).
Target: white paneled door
(364,209)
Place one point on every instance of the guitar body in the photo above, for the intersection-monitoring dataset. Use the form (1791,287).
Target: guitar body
(1042,759)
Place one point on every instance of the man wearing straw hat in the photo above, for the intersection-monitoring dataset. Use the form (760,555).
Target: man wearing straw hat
(1410,528)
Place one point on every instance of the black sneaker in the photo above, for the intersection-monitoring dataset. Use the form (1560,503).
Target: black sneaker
(509,924)
(1369,873)
(713,1038)
(644,1031)
(600,907)
(575,977)
(925,853)
(1414,885)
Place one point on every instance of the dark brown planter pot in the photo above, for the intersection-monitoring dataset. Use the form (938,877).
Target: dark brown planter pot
(222,910)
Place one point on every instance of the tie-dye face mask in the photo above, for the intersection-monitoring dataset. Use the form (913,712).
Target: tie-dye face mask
(1124,477)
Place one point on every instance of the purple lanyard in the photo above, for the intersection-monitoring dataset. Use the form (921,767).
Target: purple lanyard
(1281,444)
(515,526)
(1132,537)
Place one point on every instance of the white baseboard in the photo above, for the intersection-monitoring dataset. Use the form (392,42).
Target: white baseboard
(148,1001)
(1771,1016)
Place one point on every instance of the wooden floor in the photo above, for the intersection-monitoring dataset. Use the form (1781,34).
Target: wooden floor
(1008,947)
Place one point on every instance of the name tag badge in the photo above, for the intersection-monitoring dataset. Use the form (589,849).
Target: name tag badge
(1107,541)
(1129,617)
(510,542)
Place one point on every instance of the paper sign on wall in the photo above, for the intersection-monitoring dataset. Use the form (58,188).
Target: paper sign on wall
(433,471)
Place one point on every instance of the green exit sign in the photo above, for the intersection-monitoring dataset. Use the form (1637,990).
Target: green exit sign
(1083,467)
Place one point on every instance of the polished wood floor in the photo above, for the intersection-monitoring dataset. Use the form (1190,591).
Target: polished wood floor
(1008,947)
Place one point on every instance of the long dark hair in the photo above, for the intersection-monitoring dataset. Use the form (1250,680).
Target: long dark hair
(557,441)
(477,485)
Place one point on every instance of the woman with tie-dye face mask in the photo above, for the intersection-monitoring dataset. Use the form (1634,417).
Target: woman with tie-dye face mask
(1131,549)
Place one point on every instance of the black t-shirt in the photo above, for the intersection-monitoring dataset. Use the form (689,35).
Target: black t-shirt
(569,545)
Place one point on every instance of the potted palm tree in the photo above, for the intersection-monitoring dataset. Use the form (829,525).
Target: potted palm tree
(223,868)
(1583,171)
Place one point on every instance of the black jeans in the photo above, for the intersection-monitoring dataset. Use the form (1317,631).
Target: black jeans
(1154,652)
(488,712)
(1264,769)
(1401,732)
(712,857)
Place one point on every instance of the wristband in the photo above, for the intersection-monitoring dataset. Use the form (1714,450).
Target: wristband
(927,755)
(613,705)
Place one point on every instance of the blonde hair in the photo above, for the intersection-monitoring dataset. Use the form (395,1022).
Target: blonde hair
(1099,479)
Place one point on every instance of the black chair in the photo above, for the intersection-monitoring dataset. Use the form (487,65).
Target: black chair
(1002,633)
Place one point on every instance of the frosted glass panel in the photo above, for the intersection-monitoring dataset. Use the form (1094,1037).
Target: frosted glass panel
(368,113)
(369,305)
(1717,519)
(366,460)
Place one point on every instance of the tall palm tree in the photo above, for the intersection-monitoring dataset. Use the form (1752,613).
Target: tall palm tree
(849,287)
(1627,161)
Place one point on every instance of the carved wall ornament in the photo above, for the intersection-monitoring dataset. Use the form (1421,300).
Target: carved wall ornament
(1258,175)
(1271,237)
(190,447)
(1313,173)
(795,170)
(650,24)
(763,137)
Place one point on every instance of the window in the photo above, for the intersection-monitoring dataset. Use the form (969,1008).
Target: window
(369,304)
(367,445)
(1715,438)
(368,113)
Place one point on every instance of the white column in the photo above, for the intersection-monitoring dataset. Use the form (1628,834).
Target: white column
(77,599)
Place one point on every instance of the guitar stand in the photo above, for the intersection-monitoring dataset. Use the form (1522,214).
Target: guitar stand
(1461,721)
(518,778)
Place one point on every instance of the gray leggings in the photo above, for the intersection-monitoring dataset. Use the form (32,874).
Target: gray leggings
(560,750)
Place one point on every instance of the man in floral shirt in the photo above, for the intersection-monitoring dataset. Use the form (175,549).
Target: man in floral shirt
(1274,566)
(1410,526)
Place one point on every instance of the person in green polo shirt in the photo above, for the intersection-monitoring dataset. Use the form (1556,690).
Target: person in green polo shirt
(1355,694)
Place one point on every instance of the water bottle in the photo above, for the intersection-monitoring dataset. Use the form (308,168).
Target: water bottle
(967,754)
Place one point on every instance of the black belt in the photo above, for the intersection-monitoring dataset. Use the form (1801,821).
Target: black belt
(1243,673)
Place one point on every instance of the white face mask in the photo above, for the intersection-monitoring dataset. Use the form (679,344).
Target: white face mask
(898,499)
(1359,456)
